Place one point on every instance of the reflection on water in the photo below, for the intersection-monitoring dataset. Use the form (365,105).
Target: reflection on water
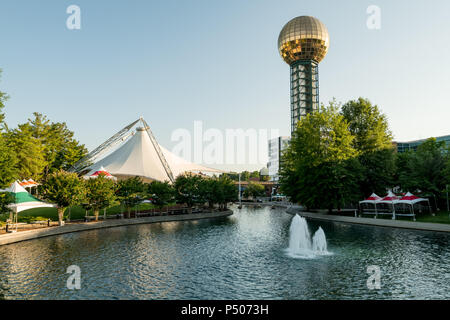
(238,257)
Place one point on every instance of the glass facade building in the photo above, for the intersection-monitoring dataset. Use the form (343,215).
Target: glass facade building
(276,148)
(412,145)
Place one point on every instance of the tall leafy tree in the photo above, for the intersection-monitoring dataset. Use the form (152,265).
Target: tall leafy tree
(245,175)
(368,125)
(60,149)
(8,160)
(3,98)
(65,189)
(130,193)
(28,151)
(254,190)
(187,189)
(425,170)
(319,167)
(254,174)
(8,163)
(6,198)
(373,141)
(227,191)
(162,193)
(100,193)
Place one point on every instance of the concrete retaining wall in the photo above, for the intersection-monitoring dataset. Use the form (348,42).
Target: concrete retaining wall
(77,227)
(424,226)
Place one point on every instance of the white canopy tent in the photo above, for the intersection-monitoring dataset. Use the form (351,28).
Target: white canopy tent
(373,200)
(393,200)
(411,200)
(23,201)
(137,156)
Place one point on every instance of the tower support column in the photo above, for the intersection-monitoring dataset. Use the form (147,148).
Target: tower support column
(304,89)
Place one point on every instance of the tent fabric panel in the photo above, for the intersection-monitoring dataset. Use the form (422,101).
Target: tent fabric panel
(138,157)
(30,205)
(22,197)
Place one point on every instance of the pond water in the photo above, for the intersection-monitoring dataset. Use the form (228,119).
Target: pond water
(243,256)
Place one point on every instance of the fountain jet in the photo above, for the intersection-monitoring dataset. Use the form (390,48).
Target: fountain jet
(300,243)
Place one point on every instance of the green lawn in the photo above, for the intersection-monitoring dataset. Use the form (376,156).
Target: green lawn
(75,214)
(440,217)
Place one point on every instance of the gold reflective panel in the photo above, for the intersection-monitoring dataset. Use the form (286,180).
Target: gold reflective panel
(303,38)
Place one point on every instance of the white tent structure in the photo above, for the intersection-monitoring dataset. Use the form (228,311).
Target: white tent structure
(391,199)
(23,201)
(138,154)
(411,200)
(373,200)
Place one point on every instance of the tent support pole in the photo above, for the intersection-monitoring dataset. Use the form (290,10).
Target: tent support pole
(393,210)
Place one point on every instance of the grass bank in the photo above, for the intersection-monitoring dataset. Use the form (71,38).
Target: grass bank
(440,217)
(76,213)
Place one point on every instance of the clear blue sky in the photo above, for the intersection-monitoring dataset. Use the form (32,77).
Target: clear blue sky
(217,61)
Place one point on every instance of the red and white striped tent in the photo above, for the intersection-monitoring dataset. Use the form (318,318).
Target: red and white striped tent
(28,183)
(409,198)
(101,171)
(372,199)
(393,200)
(390,198)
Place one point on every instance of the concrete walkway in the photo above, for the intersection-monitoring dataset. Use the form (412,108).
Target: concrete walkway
(424,226)
(77,227)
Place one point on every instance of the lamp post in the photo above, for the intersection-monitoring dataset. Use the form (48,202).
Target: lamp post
(240,200)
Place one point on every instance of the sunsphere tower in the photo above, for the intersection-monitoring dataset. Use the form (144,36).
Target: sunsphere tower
(303,43)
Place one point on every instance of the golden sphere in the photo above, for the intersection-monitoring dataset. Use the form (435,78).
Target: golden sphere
(303,38)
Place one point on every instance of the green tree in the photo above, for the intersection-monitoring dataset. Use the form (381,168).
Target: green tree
(425,170)
(368,125)
(187,189)
(245,175)
(29,152)
(162,193)
(100,193)
(254,174)
(373,141)
(378,171)
(232,175)
(60,149)
(228,191)
(213,190)
(63,188)
(8,160)
(8,163)
(3,98)
(254,190)
(319,168)
(130,193)
(6,198)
